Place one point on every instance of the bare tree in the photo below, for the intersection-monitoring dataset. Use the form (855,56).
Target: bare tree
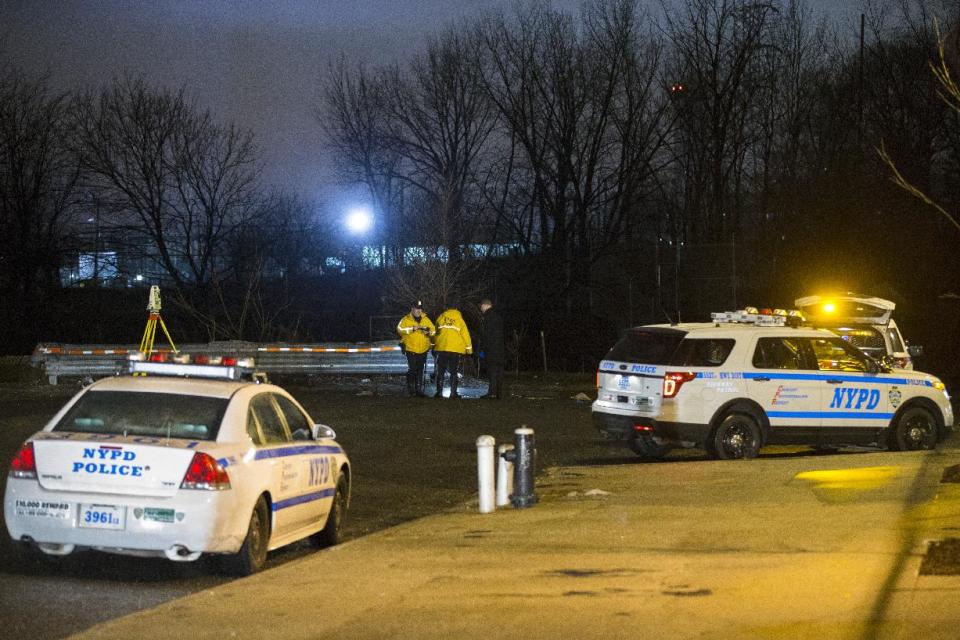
(440,120)
(949,92)
(38,185)
(169,172)
(788,113)
(353,114)
(586,109)
(717,47)
(416,137)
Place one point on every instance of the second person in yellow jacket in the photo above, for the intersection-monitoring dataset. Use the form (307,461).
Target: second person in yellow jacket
(453,341)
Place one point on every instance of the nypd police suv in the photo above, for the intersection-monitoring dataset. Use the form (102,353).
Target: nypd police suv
(748,379)
(194,458)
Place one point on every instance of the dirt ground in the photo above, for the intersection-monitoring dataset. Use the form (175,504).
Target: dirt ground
(411,456)
(417,456)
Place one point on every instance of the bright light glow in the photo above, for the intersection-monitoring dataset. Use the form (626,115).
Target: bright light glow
(359,221)
(829,307)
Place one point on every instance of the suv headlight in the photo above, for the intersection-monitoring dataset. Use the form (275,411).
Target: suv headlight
(942,388)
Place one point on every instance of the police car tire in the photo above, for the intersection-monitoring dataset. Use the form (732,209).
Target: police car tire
(253,553)
(737,436)
(331,533)
(645,447)
(915,430)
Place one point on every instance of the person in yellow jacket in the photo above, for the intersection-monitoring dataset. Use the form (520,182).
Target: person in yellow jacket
(415,331)
(453,340)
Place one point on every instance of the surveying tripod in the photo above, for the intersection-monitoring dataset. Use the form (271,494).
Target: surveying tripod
(150,332)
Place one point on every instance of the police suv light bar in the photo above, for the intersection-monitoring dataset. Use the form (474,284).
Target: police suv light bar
(196,366)
(759,317)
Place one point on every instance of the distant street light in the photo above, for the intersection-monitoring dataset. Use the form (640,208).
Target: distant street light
(359,221)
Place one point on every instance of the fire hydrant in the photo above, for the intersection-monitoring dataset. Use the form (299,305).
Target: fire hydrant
(524,457)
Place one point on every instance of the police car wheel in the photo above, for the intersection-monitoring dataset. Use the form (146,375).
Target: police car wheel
(646,447)
(915,430)
(737,436)
(253,553)
(331,532)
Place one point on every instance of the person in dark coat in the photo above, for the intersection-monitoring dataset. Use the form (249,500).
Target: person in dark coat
(493,350)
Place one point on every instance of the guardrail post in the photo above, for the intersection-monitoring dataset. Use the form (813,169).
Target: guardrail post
(504,474)
(525,457)
(485,446)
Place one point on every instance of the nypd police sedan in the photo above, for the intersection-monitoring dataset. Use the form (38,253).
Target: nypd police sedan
(191,459)
(746,380)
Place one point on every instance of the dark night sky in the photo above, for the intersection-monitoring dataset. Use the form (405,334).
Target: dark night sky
(254,61)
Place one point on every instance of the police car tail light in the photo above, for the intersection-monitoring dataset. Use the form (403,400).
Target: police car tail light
(205,473)
(673,380)
(24,463)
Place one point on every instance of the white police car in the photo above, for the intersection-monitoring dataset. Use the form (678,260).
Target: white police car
(749,379)
(191,459)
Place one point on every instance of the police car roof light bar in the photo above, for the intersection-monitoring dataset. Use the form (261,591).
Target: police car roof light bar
(759,317)
(201,366)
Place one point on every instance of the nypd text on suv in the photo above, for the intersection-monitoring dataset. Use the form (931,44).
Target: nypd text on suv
(194,458)
(748,379)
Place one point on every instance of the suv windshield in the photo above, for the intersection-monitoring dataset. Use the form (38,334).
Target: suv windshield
(646,346)
(863,337)
(134,413)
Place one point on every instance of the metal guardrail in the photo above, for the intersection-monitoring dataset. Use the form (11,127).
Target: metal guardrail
(375,358)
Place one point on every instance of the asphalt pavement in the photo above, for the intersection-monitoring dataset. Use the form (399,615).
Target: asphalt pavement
(786,546)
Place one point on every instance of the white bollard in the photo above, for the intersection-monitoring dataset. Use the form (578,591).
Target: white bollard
(485,446)
(504,476)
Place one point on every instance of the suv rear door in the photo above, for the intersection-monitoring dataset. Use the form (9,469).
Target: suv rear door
(631,374)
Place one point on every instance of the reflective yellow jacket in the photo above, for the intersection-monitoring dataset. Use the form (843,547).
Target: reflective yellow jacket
(452,333)
(412,335)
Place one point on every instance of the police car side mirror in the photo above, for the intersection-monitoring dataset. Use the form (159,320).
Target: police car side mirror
(915,350)
(322,431)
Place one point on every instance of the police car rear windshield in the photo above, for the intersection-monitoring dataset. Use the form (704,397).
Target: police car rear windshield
(670,347)
(155,415)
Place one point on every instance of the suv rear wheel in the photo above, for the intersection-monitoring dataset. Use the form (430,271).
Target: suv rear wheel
(737,436)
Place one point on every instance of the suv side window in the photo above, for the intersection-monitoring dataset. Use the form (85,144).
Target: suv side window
(779,353)
(271,424)
(709,352)
(298,423)
(896,342)
(834,354)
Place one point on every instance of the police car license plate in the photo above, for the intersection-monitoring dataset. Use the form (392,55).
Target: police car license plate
(102,516)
